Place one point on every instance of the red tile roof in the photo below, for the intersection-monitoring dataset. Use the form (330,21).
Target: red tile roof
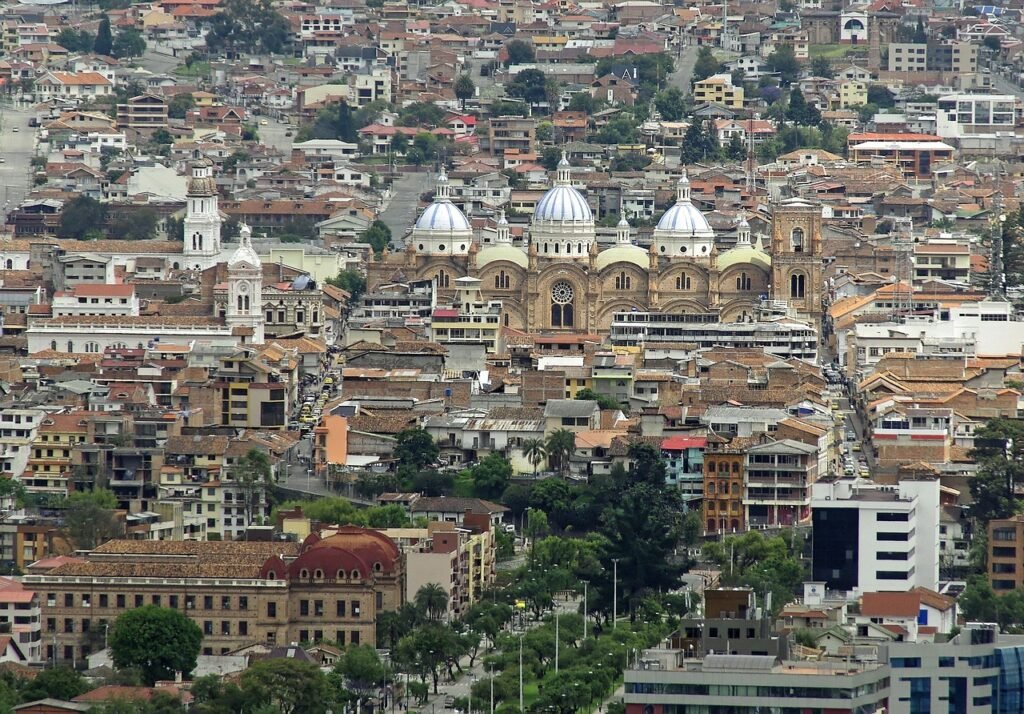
(890,604)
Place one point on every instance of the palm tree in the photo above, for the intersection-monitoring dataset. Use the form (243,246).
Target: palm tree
(535,451)
(432,599)
(560,447)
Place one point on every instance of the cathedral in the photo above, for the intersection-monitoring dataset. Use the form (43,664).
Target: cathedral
(561,282)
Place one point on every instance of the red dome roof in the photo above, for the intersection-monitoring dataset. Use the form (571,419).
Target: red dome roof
(350,550)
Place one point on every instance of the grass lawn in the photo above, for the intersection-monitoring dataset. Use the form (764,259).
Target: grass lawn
(837,51)
(531,692)
(198,69)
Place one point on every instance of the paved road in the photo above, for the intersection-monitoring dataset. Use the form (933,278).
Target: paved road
(17,150)
(158,60)
(400,213)
(273,134)
(684,69)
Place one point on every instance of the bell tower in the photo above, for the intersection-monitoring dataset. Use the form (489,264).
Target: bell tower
(202,218)
(244,314)
(797,260)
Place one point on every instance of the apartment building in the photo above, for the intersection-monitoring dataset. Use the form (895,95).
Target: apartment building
(504,133)
(143,112)
(953,57)
(684,466)
(470,319)
(724,465)
(329,588)
(21,617)
(942,260)
(1006,553)
(869,537)
(718,89)
(17,432)
(86,299)
(50,460)
(777,484)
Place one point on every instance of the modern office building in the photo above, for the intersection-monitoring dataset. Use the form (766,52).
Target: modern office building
(785,338)
(978,671)
(869,537)
(664,682)
(1006,553)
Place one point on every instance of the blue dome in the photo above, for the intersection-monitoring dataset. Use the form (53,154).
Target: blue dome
(443,216)
(687,219)
(563,203)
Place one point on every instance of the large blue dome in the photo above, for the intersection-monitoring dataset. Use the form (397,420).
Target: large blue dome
(563,203)
(685,218)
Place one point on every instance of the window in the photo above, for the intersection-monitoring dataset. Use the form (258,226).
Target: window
(796,240)
(172,602)
(138,601)
(623,281)
(339,637)
(271,609)
(355,637)
(208,627)
(120,600)
(796,285)
(683,282)
(69,600)
(355,608)
(104,600)
(562,296)
(318,608)
(225,602)
(156,600)
(743,282)
(243,628)
(443,279)
(341,608)
(208,602)
(304,607)
(243,602)
(501,281)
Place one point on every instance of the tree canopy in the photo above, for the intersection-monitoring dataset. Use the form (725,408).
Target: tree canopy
(248,26)
(157,641)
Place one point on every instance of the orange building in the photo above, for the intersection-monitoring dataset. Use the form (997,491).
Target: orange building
(723,484)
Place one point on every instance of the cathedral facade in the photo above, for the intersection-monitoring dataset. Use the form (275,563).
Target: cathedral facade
(561,282)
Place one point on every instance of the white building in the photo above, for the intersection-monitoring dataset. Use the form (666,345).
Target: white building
(245,291)
(202,218)
(870,537)
(86,299)
(961,115)
(17,431)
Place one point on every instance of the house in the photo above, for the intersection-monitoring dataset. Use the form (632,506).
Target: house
(572,414)
(73,86)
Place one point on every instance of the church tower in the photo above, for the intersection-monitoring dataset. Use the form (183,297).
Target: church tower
(245,291)
(202,218)
(797,260)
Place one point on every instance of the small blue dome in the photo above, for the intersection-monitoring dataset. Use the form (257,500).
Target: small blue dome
(563,203)
(443,216)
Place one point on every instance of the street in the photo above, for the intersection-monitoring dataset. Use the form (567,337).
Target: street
(17,150)
(684,69)
(400,213)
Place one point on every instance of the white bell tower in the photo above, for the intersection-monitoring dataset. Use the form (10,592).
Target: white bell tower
(245,291)
(202,218)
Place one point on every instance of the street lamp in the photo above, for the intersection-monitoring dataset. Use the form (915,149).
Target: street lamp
(615,593)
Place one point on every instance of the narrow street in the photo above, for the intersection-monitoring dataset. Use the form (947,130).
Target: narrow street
(400,212)
(684,69)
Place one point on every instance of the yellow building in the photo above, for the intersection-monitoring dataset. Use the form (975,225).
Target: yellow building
(719,89)
(49,462)
(853,94)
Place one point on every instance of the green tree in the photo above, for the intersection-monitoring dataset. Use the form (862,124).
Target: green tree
(137,224)
(426,649)
(254,476)
(81,216)
(618,131)
(464,89)
(800,112)
(706,64)
(57,683)
(764,564)
(700,143)
(416,448)
(289,686)
(432,601)
(670,104)
(90,518)
(603,400)
(351,281)
(735,149)
(248,26)
(426,114)
(363,672)
(999,453)
(535,450)
(519,52)
(104,39)
(378,236)
(783,61)
(583,102)
(821,67)
(528,85)
(180,104)
(491,476)
(157,641)
(390,516)
(76,40)
(560,446)
(128,43)
(880,96)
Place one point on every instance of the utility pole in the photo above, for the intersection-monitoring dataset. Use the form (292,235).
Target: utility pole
(521,708)
(556,643)
(585,583)
(615,593)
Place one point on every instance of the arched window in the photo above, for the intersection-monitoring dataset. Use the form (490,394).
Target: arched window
(796,285)
(239,303)
(318,574)
(443,279)
(245,304)
(623,281)
(71,346)
(303,573)
(743,282)
(683,282)
(711,467)
(562,295)
(10,264)
(355,575)
(53,345)
(796,240)
(501,281)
